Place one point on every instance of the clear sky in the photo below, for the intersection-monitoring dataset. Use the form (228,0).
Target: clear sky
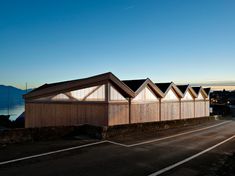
(165,40)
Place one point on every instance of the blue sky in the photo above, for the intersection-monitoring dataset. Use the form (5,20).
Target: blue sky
(166,40)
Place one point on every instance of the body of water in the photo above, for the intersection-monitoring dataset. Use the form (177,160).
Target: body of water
(14,111)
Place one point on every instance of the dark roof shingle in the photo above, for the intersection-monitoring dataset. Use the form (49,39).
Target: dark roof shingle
(134,84)
(207,90)
(182,88)
(163,86)
(196,89)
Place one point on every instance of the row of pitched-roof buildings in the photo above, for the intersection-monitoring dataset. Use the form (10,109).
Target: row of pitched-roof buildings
(104,100)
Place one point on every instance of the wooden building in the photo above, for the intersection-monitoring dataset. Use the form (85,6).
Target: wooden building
(200,102)
(170,103)
(207,101)
(100,100)
(145,106)
(104,100)
(187,105)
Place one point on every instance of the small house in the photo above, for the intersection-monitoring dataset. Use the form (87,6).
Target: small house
(145,106)
(200,107)
(187,102)
(170,103)
(100,100)
(207,101)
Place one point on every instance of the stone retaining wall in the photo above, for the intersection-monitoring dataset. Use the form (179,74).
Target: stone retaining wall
(34,134)
(52,133)
(151,127)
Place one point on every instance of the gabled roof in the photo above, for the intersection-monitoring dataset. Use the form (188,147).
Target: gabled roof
(138,85)
(61,87)
(207,90)
(165,87)
(184,88)
(197,90)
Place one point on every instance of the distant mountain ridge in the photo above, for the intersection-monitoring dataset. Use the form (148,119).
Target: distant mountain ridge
(10,96)
(215,83)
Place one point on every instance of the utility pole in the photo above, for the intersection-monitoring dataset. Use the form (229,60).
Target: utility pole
(26,87)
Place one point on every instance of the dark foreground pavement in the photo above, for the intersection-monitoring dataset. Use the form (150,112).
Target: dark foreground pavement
(112,159)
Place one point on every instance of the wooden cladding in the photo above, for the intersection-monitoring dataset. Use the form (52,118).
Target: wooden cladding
(187,109)
(170,111)
(42,115)
(145,112)
(207,107)
(118,113)
(109,114)
(200,108)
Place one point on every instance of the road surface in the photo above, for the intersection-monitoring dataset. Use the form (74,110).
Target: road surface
(189,151)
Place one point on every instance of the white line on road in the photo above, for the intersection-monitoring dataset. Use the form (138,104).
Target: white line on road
(49,153)
(105,141)
(190,158)
(168,137)
(117,143)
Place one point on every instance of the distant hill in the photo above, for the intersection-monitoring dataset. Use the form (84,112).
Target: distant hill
(11,95)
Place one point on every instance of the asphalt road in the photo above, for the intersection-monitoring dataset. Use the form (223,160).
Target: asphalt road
(127,159)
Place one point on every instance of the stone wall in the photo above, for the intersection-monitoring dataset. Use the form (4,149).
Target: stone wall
(53,133)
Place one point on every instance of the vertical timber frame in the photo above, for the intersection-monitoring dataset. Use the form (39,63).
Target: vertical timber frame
(194,103)
(118,107)
(205,107)
(160,109)
(180,113)
(107,94)
(129,104)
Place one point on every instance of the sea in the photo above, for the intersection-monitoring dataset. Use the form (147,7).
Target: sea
(14,111)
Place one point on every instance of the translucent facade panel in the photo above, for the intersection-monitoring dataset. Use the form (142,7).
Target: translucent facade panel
(115,95)
(187,96)
(170,96)
(200,97)
(145,95)
(60,97)
(95,93)
(43,99)
(149,95)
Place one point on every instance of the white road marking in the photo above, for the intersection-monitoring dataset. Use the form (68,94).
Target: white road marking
(190,158)
(117,143)
(168,137)
(49,153)
(105,141)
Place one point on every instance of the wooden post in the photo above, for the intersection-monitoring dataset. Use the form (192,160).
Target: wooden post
(160,109)
(107,102)
(129,101)
(180,115)
(205,108)
(194,107)
(107,92)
